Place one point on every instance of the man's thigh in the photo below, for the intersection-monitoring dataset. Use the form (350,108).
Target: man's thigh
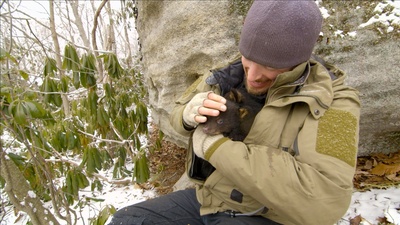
(177,208)
(225,219)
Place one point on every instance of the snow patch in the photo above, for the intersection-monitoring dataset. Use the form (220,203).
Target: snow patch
(388,18)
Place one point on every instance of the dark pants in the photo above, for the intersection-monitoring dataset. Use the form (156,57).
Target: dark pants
(178,208)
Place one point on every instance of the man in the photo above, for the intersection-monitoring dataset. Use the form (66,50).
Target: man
(297,163)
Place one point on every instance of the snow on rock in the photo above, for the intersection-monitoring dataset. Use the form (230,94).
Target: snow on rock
(387,13)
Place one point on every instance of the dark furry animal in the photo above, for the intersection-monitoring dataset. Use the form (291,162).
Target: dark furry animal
(237,120)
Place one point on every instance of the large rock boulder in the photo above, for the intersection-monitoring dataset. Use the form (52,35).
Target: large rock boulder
(182,40)
(365,44)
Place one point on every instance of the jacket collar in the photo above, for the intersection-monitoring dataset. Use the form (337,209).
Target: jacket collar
(297,76)
(309,82)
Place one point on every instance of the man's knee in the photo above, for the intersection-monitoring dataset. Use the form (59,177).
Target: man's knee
(130,215)
(167,209)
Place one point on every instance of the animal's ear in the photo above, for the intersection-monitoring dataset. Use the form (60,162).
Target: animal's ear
(230,96)
(243,112)
(235,96)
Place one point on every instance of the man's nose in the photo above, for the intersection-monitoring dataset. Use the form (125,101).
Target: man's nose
(254,72)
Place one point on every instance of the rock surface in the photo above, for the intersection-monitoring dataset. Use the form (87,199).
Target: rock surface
(370,54)
(182,40)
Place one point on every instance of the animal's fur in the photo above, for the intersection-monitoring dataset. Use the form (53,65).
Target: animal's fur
(237,120)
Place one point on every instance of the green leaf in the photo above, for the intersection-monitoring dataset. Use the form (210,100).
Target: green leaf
(87,72)
(92,100)
(64,84)
(50,66)
(71,59)
(95,199)
(35,109)
(108,90)
(112,65)
(70,140)
(23,74)
(18,160)
(90,80)
(4,55)
(62,138)
(66,62)
(83,79)
(76,79)
(6,92)
(105,214)
(19,114)
(74,58)
(141,111)
(141,169)
(12,107)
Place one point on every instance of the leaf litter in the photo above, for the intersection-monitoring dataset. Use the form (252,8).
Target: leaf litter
(376,199)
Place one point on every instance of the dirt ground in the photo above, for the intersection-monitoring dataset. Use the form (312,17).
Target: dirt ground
(167,164)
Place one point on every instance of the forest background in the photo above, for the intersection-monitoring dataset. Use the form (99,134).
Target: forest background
(73,104)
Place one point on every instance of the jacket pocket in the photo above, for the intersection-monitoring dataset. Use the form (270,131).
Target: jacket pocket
(231,196)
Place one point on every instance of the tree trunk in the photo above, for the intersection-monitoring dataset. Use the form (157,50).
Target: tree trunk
(110,43)
(78,22)
(128,44)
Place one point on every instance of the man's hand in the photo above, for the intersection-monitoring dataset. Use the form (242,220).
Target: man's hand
(202,142)
(202,105)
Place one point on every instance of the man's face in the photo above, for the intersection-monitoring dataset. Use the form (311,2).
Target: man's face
(259,78)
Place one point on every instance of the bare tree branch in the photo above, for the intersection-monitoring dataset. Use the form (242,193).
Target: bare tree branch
(54,35)
(79,24)
(95,23)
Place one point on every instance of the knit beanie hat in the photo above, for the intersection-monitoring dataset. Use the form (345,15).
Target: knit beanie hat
(280,34)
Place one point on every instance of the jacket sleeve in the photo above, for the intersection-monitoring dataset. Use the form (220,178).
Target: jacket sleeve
(315,185)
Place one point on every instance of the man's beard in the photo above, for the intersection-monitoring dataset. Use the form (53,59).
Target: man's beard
(256,91)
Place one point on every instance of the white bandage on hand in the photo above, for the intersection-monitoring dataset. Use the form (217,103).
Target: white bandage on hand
(192,108)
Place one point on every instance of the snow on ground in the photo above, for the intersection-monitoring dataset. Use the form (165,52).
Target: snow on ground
(115,195)
(374,204)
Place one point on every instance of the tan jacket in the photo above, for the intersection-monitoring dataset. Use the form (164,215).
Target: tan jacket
(299,158)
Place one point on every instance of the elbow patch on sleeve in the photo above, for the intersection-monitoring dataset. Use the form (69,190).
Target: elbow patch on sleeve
(337,135)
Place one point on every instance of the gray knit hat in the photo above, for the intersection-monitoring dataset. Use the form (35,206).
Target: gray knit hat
(280,34)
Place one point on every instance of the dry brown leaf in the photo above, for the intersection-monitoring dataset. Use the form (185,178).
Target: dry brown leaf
(382,220)
(393,177)
(383,169)
(360,172)
(359,220)
(393,158)
(356,220)
(368,164)
(379,156)
(375,162)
